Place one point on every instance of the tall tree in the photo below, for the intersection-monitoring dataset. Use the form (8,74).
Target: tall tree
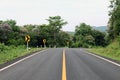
(10,33)
(83,36)
(114,21)
(56,23)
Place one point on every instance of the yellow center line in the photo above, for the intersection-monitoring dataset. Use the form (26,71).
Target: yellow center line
(64,67)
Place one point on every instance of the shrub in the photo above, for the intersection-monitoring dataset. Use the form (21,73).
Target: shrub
(3,48)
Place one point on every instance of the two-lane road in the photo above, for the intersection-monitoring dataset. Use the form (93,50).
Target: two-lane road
(75,64)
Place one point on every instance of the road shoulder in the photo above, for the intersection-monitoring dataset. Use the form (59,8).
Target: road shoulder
(17,59)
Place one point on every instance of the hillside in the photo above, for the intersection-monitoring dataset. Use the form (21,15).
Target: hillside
(70,32)
(100,28)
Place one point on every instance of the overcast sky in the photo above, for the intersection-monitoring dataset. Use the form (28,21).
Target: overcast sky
(92,12)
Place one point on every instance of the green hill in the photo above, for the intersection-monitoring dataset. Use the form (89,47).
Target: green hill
(100,28)
(70,32)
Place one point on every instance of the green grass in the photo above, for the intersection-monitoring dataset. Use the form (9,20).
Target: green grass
(112,51)
(12,52)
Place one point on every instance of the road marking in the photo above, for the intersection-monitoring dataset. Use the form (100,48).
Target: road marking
(64,67)
(20,60)
(104,59)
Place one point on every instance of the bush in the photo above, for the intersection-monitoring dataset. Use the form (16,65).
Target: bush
(3,48)
(16,42)
(85,45)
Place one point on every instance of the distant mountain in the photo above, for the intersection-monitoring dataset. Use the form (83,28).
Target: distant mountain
(70,32)
(100,28)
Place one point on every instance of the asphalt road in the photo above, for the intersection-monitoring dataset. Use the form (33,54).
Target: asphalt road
(48,65)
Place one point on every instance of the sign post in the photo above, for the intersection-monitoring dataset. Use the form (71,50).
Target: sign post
(27,46)
(27,39)
(44,41)
(68,44)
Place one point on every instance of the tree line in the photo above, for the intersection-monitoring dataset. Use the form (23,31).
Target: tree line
(84,36)
(12,34)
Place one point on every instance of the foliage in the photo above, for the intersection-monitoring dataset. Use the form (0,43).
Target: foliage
(89,40)
(63,38)
(99,38)
(83,29)
(114,21)
(56,22)
(55,25)
(111,51)
(3,48)
(12,34)
(85,36)
(8,53)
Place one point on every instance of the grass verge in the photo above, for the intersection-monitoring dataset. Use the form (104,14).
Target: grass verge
(12,52)
(112,51)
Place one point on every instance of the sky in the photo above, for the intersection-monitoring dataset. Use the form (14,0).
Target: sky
(92,12)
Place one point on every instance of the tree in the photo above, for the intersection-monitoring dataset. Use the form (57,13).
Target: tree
(29,27)
(5,30)
(63,39)
(5,26)
(12,34)
(45,33)
(83,29)
(89,39)
(99,38)
(85,36)
(114,21)
(55,23)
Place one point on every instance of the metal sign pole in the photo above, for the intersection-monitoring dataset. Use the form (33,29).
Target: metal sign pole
(44,45)
(44,41)
(27,45)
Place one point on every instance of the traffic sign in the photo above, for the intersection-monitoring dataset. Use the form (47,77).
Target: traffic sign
(27,38)
(67,43)
(44,41)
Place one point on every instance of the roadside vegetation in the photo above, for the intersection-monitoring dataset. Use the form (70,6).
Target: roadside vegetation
(12,37)
(111,51)
(8,53)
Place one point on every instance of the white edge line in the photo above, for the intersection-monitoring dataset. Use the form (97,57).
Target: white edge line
(20,60)
(104,59)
